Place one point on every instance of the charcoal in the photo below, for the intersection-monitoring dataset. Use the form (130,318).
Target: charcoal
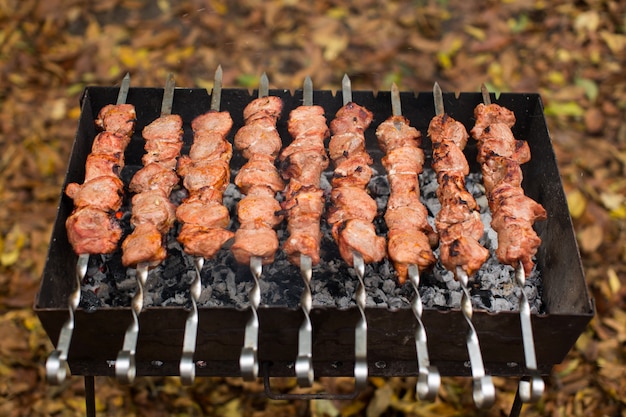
(89,301)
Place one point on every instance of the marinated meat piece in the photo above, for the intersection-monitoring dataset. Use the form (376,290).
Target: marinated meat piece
(259,170)
(212,122)
(110,143)
(444,128)
(306,166)
(448,157)
(203,241)
(162,152)
(269,107)
(462,252)
(306,202)
(308,121)
(154,177)
(508,202)
(351,118)
(404,160)
(499,170)
(487,115)
(167,128)
(103,165)
(395,132)
(261,242)
(353,172)
(409,248)
(102,193)
(304,240)
(452,191)
(497,140)
(518,242)
(153,207)
(209,214)
(210,146)
(260,137)
(259,208)
(351,203)
(117,118)
(199,175)
(346,145)
(92,231)
(143,245)
(356,235)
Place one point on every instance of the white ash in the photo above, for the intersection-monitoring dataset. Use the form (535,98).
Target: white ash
(227,284)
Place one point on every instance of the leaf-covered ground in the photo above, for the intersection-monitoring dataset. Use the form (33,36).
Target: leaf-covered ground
(572,53)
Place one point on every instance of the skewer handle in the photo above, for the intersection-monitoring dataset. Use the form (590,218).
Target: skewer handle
(484,391)
(304,362)
(56,364)
(360,332)
(429,380)
(529,390)
(187,366)
(248,360)
(125,368)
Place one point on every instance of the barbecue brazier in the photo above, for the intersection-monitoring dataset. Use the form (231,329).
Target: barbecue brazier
(97,338)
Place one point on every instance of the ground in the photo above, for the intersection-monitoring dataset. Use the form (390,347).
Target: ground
(572,53)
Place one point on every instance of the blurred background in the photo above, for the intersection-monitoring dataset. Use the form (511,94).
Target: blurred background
(572,53)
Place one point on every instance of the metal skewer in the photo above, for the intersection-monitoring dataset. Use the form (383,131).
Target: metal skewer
(484,390)
(360,332)
(187,366)
(248,360)
(125,367)
(531,390)
(304,363)
(429,379)
(56,364)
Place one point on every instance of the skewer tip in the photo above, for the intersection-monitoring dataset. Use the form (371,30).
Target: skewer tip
(438,98)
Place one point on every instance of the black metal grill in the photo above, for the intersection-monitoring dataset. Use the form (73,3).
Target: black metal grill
(98,335)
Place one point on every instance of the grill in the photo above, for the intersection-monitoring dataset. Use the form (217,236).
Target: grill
(98,333)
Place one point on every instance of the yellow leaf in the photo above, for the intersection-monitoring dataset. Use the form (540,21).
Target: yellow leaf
(611,201)
(577,203)
(614,283)
(13,244)
(615,42)
(475,32)
(569,108)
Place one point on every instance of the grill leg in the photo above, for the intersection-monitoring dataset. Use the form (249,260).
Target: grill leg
(90,395)
(517,405)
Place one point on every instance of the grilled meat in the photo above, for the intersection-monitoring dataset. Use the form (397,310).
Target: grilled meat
(152,212)
(458,222)
(92,227)
(118,119)
(352,210)
(410,236)
(206,174)
(258,212)
(302,163)
(513,214)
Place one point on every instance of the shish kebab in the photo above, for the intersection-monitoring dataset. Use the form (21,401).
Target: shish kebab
(206,174)
(92,227)
(256,241)
(513,214)
(153,214)
(410,237)
(353,210)
(459,226)
(302,164)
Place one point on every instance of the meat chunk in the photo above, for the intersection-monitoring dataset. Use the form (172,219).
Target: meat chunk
(117,118)
(261,242)
(92,231)
(356,235)
(203,241)
(143,246)
(102,193)
(155,208)
(154,176)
